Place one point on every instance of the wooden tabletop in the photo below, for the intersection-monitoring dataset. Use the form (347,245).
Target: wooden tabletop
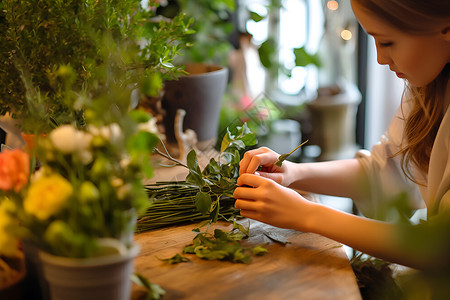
(309,267)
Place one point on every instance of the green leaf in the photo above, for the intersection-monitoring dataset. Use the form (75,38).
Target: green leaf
(202,223)
(176,259)
(239,138)
(195,174)
(267,53)
(240,256)
(190,249)
(282,158)
(142,142)
(255,17)
(226,140)
(203,202)
(192,161)
(244,230)
(154,291)
(259,250)
(206,253)
(152,83)
(139,115)
(303,58)
(215,212)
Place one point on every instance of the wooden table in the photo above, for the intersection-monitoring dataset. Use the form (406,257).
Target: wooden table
(308,267)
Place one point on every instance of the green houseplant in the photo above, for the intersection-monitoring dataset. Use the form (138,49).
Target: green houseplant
(84,200)
(205,56)
(72,72)
(38,37)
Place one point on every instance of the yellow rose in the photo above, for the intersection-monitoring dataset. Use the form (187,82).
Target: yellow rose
(47,196)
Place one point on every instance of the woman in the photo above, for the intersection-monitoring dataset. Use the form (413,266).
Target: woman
(412,159)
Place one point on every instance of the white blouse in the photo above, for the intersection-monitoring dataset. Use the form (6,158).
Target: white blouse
(387,180)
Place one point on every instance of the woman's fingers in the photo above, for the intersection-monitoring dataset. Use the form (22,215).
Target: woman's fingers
(245,193)
(250,214)
(254,158)
(251,180)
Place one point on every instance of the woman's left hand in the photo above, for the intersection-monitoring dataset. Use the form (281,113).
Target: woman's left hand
(263,199)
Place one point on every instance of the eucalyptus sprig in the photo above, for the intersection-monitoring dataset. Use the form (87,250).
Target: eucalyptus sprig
(203,195)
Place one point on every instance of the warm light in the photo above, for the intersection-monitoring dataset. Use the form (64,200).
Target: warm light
(332,5)
(346,34)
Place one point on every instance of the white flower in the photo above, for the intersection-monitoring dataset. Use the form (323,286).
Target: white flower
(69,140)
(111,133)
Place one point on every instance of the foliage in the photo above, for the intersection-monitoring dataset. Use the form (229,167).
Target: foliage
(212,24)
(374,277)
(223,245)
(39,40)
(427,239)
(268,49)
(203,195)
(85,196)
(154,291)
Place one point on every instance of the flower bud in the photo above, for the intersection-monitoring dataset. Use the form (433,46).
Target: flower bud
(89,192)
(101,167)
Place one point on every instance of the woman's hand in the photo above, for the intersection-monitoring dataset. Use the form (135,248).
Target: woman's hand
(265,158)
(264,200)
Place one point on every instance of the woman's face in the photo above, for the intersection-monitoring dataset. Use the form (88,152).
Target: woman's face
(416,58)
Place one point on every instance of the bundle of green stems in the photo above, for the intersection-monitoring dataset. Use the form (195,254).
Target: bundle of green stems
(173,203)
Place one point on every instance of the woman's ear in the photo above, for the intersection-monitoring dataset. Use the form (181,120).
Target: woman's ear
(446,33)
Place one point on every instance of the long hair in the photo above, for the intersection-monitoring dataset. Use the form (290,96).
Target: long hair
(418,17)
(423,121)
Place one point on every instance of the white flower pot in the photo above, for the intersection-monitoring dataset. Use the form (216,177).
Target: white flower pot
(93,278)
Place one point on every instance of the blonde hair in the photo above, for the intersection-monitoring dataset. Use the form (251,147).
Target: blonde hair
(418,17)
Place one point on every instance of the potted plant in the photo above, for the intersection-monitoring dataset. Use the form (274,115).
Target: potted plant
(72,73)
(79,209)
(200,92)
(38,37)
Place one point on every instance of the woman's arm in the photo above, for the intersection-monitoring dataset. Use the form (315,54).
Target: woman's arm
(264,200)
(342,178)
(376,238)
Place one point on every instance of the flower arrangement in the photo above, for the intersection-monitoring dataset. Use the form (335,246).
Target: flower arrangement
(85,196)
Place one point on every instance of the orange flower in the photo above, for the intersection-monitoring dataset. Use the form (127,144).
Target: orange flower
(14,169)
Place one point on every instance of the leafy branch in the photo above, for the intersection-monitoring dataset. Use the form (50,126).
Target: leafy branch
(203,195)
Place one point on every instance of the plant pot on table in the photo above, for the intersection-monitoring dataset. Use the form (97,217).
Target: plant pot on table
(92,278)
(200,94)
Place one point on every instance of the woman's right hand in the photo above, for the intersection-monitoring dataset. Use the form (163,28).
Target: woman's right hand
(265,158)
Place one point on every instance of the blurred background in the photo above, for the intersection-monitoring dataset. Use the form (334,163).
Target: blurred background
(298,70)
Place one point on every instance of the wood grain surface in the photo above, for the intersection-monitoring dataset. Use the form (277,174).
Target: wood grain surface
(309,266)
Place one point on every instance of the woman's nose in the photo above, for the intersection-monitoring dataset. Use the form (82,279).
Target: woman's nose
(382,57)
